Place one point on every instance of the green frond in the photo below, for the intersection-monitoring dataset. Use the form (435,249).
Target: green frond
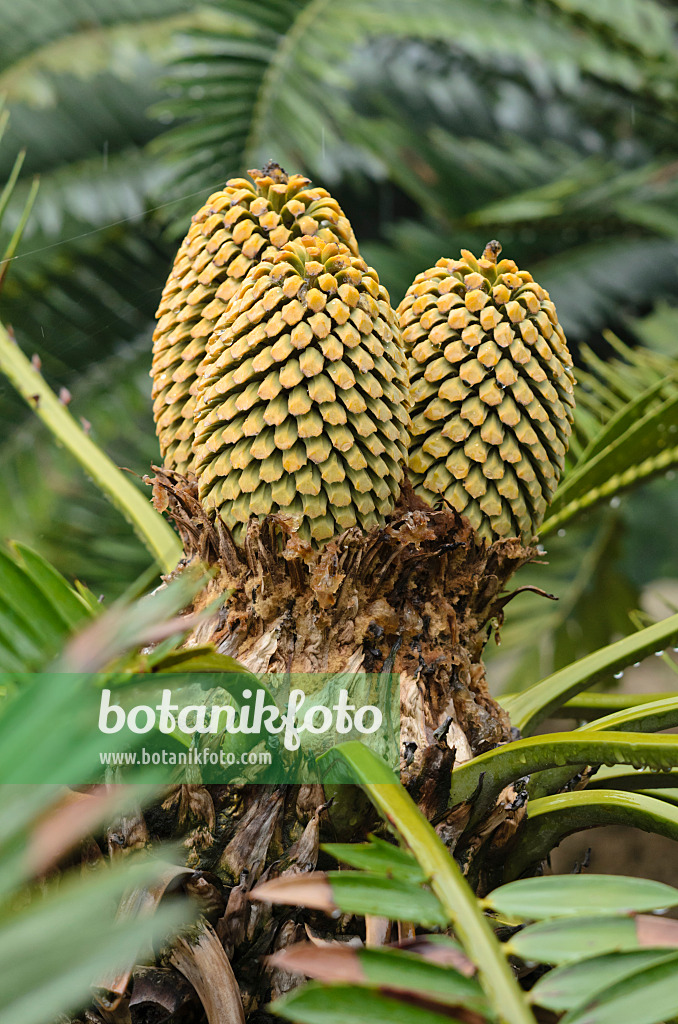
(523,757)
(85,195)
(593,283)
(38,610)
(662,785)
(643,25)
(645,716)
(554,817)
(310,1005)
(593,706)
(291,61)
(594,187)
(537,702)
(644,450)
(73,932)
(567,898)
(576,985)
(68,923)
(87,51)
(630,432)
(35,25)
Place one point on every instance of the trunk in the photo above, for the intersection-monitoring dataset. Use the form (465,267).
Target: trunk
(420,598)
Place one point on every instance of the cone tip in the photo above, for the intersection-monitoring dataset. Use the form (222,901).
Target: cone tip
(271,169)
(492,250)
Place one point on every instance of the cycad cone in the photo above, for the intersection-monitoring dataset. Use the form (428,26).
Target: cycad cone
(234,230)
(302,398)
(491,392)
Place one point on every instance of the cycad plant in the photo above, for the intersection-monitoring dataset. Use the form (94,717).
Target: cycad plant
(309,380)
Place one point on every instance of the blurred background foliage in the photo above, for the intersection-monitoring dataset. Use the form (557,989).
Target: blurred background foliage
(550,124)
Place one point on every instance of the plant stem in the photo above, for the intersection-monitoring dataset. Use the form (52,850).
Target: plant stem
(445,878)
(148,524)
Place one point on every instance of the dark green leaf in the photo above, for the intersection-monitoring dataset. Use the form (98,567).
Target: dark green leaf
(650,716)
(592,706)
(641,451)
(72,608)
(352,1004)
(531,707)
(407,972)
(496,768)
(360,893)
(378,857)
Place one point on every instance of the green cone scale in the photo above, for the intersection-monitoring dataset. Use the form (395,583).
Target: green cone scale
(491,391)
(302,396)
(236,228)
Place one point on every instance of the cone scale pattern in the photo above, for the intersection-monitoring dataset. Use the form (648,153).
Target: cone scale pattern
(236,228)
(491,390)
(302,397)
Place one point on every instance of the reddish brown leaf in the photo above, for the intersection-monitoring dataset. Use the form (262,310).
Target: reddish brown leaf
(312,890)
(341,964)
(335,962)
(656,931)
(439,953)
(71,819)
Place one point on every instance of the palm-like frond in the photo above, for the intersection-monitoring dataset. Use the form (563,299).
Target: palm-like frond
(282,69)
(563,920)
(67,926)
(629,429)
(35,25)
(26,378)
(78,86)
(38,610)
(541,168)
(645,27)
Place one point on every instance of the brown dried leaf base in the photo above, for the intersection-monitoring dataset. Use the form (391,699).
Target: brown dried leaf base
(419,597)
